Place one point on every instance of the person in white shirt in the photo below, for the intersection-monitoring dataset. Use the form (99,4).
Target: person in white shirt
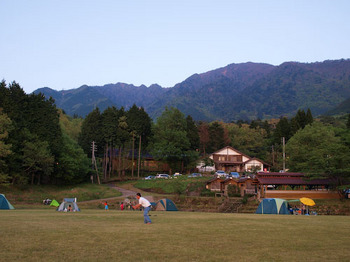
(146,207)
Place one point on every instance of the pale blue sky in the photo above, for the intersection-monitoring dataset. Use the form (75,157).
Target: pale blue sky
(63,44)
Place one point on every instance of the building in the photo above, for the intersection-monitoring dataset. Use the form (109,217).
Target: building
(231,160)
(292,185)
(277,185)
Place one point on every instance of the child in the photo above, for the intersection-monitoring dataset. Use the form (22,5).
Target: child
(122,206)
(106,206)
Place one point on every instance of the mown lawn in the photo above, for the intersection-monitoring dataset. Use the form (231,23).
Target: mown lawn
(97,235)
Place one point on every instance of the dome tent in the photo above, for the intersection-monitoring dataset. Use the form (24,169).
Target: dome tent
(273,206)
(165,204)
(4,203)
(65,204)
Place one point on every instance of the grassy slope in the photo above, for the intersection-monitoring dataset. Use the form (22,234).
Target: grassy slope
(97,235)
(34,195)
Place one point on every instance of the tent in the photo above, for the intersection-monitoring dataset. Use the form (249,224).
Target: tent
(65,204)
(165,205)
(54,203)
(4,203)
(273,206)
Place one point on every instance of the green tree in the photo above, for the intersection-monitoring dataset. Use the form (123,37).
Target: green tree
(91,130)
(171,143)
(73,164)
(318,151)
(348,122)
(309,118)
(247,140)
(37,160)
(203,130)
(124,136)
(5,149)
(283,129)
(218,137)
(300,120)
(140,123)
(70,125)
(33,117)
(192,133)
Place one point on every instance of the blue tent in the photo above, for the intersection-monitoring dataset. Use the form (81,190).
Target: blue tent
(273,206)
(165,205)
(4,203)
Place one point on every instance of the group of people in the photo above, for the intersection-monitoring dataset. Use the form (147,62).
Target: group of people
(143,203)
(299,211)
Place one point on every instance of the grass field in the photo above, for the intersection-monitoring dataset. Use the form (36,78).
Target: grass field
(97,235)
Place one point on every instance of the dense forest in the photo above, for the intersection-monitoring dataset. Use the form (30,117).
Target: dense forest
(40,144)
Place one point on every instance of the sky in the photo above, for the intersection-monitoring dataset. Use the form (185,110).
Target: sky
(64,44)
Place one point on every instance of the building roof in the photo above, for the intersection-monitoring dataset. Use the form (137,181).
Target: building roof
(257,159)
(279,174)
(291,181)
(227,180)
(230,147)
(214,179)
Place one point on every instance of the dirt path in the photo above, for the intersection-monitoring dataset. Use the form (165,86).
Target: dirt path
(125,193)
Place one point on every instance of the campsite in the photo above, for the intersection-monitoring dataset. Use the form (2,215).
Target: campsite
(37,232)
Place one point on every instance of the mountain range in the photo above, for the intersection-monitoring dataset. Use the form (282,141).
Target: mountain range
(243,91)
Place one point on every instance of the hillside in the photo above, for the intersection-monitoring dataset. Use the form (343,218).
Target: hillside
(237,91)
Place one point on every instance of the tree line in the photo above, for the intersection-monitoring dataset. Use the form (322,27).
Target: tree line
(40,144)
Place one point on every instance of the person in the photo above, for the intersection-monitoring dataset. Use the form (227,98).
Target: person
(106,206)
(122,206)
(70,208)
(143,202)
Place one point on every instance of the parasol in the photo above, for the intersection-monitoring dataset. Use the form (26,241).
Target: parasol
(307,201)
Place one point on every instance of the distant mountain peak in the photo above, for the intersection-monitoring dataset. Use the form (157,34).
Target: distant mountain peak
(237,91)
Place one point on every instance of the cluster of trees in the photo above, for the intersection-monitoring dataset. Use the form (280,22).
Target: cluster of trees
(40,144)
(34,148)
(116,133)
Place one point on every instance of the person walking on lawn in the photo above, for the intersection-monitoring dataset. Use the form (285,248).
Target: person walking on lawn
(146,207)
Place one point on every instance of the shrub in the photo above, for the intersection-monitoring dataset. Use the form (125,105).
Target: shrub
(233,191)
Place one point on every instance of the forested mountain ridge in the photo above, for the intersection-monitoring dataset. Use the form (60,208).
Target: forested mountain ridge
(237,91)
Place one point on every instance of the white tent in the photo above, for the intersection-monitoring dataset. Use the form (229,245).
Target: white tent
(72,202)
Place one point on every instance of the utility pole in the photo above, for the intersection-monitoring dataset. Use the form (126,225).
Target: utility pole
(284,153)
(139,160)
(133,149)
(93,160)
(273,157)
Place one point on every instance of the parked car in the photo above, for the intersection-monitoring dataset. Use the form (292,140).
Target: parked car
(177,174)
(165,176)
(233,175)
(195,175)
(221,173)
(149,177)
